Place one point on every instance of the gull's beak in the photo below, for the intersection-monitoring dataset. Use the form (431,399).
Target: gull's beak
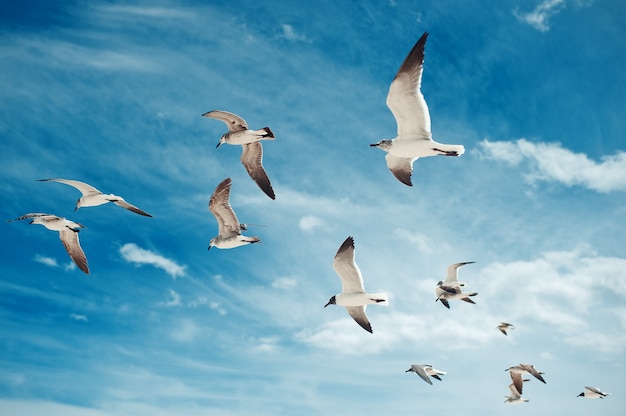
(327,304)
(374,145)
(218,144)
(408,370)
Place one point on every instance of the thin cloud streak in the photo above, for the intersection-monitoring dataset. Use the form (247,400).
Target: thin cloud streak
(135,254)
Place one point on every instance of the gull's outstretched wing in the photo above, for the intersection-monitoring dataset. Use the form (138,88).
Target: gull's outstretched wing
(358,313)
(219,205)
(347,269)
(233,121)
(252,159)
(405,100)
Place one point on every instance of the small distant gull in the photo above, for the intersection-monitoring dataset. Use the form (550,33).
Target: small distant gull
(426,370)
(68,232)
(353,296)
(517,371)
(252,150)
(516,395)
(93,197)
(406,102)
(229,228)
(451,287)
(593,393)
(504,326)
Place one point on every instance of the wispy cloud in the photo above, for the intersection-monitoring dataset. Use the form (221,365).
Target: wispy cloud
(174,299)
(48,261)
(552,162)
(285,283)
(78,317)
(186,330)
(289,33)
(134,254)
(538,17)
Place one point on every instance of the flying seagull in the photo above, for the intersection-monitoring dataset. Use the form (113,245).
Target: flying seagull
(504,326)
(516,395)
(229,228)
(450,288)
(517,371)
(353,296)
(426,370)
(68,232)
(593,393)
(92,197)
(252,150)
(406,102)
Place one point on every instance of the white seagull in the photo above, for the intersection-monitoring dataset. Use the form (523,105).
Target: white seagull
(426,370)
(504,326)
(516,395)
(451,287)
(92,197)
(517,371)
(252,150)
(593,393)
(353,296)
(68,232)
(406,102)
(229,228)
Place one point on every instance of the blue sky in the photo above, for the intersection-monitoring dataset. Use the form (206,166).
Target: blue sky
(111,93)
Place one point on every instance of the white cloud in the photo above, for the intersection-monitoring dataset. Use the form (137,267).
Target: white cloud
(538,18)
(552,162)
(310,222)
(174,299)
(78,317)
(48,261)
(217,307)
(285,283)
(289,33)
(267,344)
(134,254)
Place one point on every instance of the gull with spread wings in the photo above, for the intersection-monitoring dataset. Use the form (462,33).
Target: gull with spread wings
(353,296)
(407,103)
(229,228)
(92,197)
(250,141)
(451,288)
(68,232)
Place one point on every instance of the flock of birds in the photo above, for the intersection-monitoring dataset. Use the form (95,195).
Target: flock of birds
(413,140)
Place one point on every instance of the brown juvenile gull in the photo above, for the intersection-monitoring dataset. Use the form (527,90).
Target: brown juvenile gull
(353,296)
(504,326)
(406,102)
(68,232)
(93,197)
(517,371)
(252,150)
(516,395)
(229,228)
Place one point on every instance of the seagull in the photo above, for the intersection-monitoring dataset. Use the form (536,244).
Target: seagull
(517,371)
(93,197)
(68,232)
(406,102)
(425,370)
(593,393)
(451,287)
(516,395)
(353,295)
(229,228)
(252,150)
(504,326)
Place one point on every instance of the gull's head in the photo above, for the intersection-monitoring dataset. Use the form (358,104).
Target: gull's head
(581,394)
(222,140)
(409,370)
(331,301)
(211,243)
(439,283)
(383,145)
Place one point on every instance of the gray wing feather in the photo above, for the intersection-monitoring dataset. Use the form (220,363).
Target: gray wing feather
(233,121)
(401,167)
(227,221)
(252,159)
(347,269)
(72,246)
(358,314)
